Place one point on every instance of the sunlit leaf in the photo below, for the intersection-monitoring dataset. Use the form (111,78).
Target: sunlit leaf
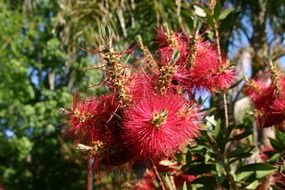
(199,11)
(225,13)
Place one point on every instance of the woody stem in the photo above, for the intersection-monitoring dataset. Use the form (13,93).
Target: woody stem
(158,176)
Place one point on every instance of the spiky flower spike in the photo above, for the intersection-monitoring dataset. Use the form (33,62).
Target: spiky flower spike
(95,126)
(166,74)
(197,59)
(158,125)
(261,94)
(203,65)
(109,119)
(191,59)
(172,56)
(268,99)
(149,59)
(197,66)
(277,179)
(223,78)
(81,115)
(116,75)
(84,127)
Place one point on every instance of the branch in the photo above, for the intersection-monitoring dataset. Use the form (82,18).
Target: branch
(158,176)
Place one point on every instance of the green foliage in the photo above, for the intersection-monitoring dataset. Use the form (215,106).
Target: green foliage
(32,152)
(42,65)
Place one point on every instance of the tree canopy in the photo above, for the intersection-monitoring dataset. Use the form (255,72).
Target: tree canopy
(43,62)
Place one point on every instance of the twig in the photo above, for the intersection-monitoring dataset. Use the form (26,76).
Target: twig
(90,174)
(98,67)
(158,176)
(97,85)
(226,110)
(226,166)
(217,35)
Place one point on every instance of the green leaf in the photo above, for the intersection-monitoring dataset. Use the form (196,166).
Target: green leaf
(184,186)
(168,182)
(259,169)
(188,157)
(241,136)
(276,144)
(199,11)
(219,168)
(256,167)
(274,158)
(217,10)
(261,174)
(201,168)
(244,175)
(281,137)
(210,20)
(175,56)
(253,185)
(235,84)
(240,152)
(207,158)
(218,129)
(205,180)
(225,13)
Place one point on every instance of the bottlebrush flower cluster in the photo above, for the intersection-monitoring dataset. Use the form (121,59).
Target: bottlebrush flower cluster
(268,97)
(148,180)
(276,179)
(149,114)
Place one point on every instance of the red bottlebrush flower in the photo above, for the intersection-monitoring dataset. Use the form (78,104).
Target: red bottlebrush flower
(262,96)
(172,40)
(87,126)
(146,183)
(106,109)
(278,106)
(204,73)
(96,126)
(168,44)
(159,125)
(206,64)
(269,104)
(92,121)
(277,179)
(173,77)
(82,115)
(263,153)
(110,119)
(278,113)
(279,103)
(184,178)
(223,79)
(139,85)
(256,88)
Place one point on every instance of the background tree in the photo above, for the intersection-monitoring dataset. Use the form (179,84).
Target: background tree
(42,65)
(34,84)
